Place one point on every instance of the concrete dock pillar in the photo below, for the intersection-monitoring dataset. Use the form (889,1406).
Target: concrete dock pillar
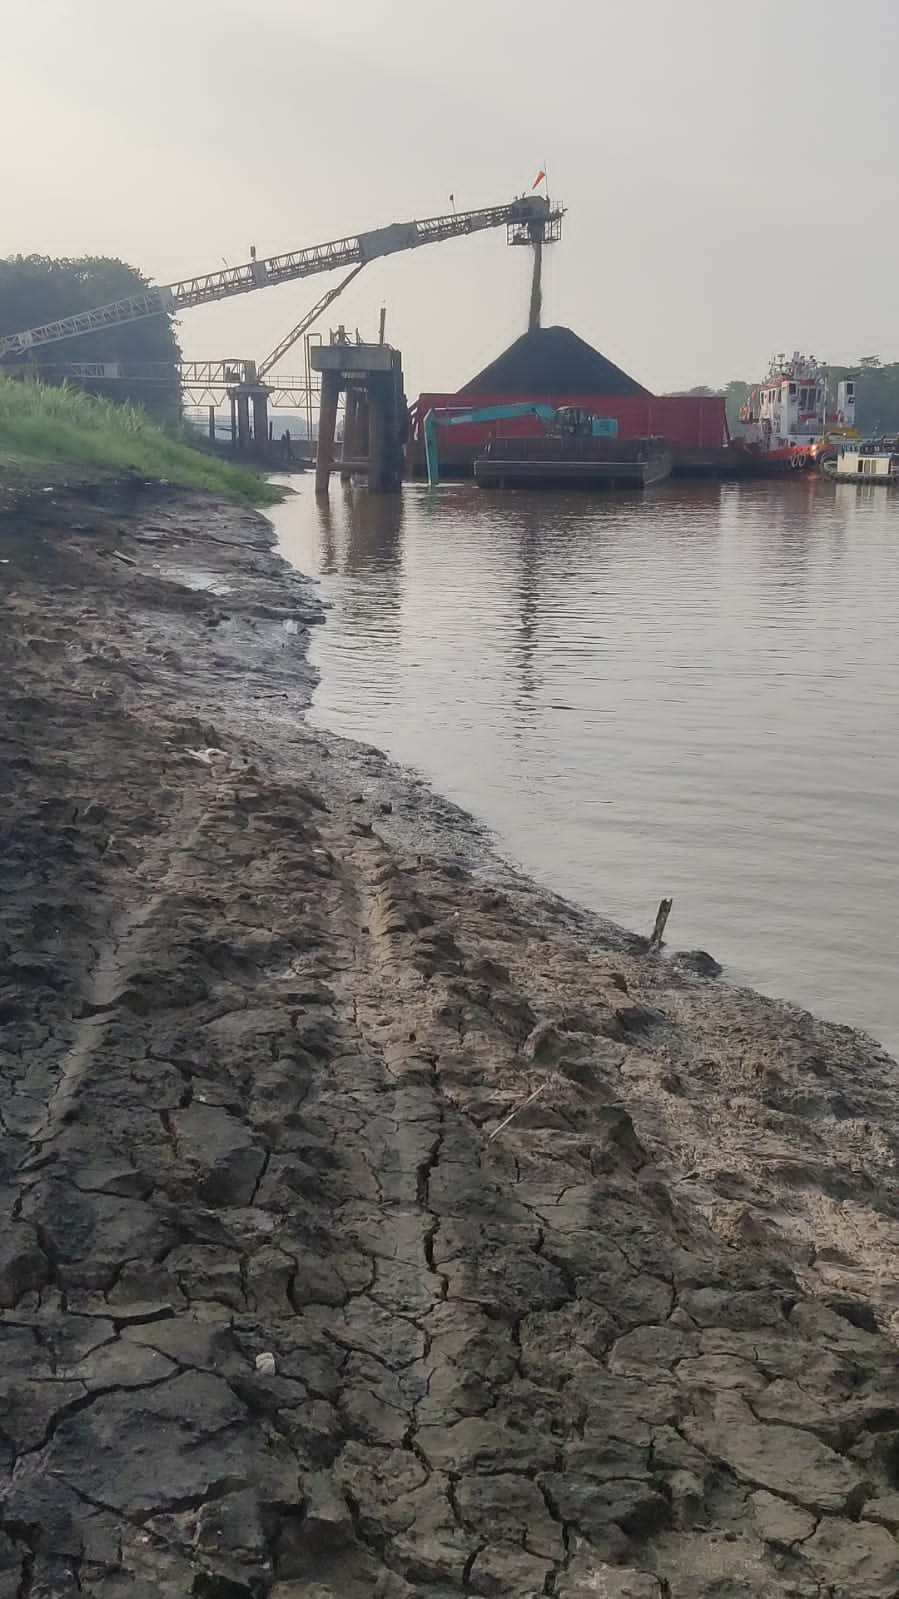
(350,431)
(377,438)
(242,402)
(260,420)
(212,424)
(327,424)
(362,440)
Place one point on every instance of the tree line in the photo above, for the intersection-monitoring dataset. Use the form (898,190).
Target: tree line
(35,289)
(876,394)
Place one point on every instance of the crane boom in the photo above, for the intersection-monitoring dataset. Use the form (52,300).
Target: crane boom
(296,333)
(528,211)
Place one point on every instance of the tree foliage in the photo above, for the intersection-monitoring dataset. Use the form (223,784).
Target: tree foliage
(735,395)
(36,288)
(876,394)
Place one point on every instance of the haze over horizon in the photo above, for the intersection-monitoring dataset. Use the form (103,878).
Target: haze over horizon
(723,170)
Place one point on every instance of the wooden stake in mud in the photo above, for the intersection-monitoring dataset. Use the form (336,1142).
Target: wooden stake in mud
(662,915)
(518,1108)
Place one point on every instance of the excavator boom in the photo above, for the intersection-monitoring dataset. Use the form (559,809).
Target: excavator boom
(571,419)
(479,413)
(530,211)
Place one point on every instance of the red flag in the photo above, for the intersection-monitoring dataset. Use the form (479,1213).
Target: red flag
(539,179)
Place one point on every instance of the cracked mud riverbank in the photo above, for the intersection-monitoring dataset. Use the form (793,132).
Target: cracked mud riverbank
(256,1032)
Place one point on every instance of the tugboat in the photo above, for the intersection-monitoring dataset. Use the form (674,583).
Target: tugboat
(786,424)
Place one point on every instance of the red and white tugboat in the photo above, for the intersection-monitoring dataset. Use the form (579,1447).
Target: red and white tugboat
(788,423)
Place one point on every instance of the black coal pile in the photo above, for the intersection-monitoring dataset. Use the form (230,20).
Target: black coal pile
(552,361)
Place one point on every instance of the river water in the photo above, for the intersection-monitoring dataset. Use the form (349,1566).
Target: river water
(692,693)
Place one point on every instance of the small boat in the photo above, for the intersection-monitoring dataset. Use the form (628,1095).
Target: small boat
(865,461)
(789,423)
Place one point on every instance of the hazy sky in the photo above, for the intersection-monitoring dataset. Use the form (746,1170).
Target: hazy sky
(728,167)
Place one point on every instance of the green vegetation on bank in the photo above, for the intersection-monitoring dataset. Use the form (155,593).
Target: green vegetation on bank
(59,434)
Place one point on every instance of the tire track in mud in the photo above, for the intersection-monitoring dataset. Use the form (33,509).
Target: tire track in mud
(277,1316)
(118,958)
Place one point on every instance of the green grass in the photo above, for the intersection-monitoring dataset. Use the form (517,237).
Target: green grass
(48,433)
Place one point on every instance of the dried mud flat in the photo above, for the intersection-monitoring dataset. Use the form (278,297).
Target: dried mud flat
(279,1315)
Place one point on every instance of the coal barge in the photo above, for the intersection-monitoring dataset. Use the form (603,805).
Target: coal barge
(553,369)
(570,460)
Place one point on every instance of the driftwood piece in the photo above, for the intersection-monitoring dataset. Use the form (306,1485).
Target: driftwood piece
(662,915)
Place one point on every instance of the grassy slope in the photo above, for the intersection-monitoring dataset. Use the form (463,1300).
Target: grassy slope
(46,430)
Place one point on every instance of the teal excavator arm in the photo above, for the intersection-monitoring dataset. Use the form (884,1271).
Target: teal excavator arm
(481,413)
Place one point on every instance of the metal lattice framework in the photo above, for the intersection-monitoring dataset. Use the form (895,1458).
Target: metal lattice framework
(200,382)
(530,211)
(219,374)
(296,333)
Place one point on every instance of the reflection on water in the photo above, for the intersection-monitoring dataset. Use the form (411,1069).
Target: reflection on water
(692,692)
